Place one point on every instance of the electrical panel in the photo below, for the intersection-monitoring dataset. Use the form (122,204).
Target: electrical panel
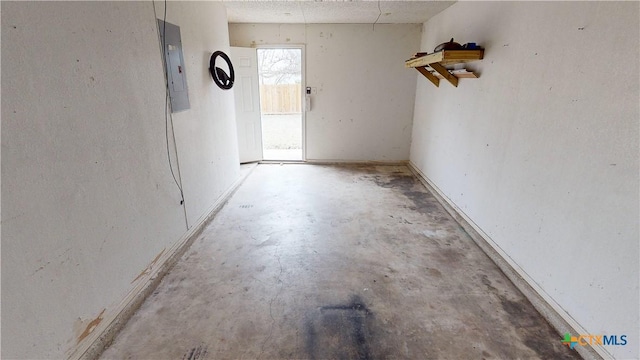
(176,74)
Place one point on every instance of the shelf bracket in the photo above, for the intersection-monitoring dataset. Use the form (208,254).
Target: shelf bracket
(445,74)
(423,70)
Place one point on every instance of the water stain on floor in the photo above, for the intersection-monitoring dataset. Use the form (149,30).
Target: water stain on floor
(340,331)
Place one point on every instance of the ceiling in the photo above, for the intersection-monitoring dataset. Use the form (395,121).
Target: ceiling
(333,12)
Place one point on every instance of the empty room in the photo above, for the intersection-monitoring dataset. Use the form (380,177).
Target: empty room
(320,180)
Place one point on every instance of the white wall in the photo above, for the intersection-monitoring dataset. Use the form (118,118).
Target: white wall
(206,137)
(87,197)
(364,106)
(541,152)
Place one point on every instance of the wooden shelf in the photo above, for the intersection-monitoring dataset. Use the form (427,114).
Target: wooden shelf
(437,61)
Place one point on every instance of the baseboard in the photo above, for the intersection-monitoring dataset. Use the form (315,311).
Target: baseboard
(541,301)
(357,162)
(280,162)
(104,334)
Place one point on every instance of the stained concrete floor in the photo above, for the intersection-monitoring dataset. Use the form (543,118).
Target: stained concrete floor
(339,262)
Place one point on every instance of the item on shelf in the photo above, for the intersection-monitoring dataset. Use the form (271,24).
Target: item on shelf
(470,46)
(451,45)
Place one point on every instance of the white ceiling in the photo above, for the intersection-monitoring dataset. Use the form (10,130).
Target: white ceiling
(333,12)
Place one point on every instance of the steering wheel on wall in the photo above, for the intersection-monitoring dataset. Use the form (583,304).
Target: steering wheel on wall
(220,77)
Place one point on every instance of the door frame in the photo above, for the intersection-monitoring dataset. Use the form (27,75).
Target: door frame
(303,71)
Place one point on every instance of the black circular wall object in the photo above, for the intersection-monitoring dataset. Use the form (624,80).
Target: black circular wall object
(220,77)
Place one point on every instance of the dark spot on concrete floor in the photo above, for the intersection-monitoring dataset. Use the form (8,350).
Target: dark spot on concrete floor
(522,313)
(485,280)
(449,256)
(442,220)
(409,186)
(484,353)
(424,202)
(434,272)
(400,182)
(534,331)
(341,331)
(196,353)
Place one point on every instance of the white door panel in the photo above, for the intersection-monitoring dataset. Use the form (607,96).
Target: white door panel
(247,95)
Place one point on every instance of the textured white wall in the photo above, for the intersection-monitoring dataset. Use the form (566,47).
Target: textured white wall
(541,152)
(364,105)
(87,197)
(206,137)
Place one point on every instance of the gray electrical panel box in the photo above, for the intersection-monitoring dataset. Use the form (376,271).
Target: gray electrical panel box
(176,74)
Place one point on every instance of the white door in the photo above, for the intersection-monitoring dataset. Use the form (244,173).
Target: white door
(247,94)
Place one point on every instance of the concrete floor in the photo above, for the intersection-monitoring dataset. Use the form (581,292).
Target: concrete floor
(335,262)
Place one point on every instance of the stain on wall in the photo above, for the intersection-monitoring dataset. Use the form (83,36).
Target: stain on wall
(91,326)
(148,269)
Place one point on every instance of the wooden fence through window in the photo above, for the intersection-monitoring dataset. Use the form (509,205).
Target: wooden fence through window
(281,99)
